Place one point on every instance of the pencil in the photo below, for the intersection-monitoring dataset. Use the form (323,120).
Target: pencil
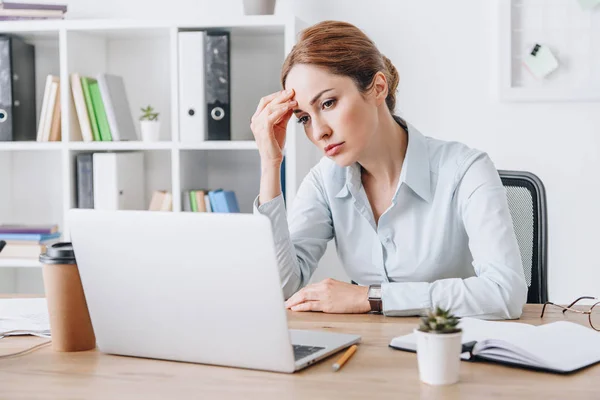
(342,360)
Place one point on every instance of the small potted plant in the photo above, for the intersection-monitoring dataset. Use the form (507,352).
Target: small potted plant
(149,124)
(439,344)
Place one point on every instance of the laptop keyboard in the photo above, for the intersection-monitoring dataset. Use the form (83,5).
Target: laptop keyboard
(304,351)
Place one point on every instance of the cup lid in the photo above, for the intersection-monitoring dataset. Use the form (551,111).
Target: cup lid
(58,253)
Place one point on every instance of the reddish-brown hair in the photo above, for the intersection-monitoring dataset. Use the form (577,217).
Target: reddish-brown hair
(343,49)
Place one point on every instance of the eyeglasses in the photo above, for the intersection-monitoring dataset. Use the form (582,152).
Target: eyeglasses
(593,317)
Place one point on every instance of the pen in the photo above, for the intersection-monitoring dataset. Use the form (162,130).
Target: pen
(342,360)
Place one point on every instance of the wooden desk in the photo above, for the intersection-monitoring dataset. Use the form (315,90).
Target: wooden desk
(376,371)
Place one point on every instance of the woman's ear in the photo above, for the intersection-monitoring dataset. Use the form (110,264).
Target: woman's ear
(380,88)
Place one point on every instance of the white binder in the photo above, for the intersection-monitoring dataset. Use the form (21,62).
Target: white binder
(119,181)
(192,104)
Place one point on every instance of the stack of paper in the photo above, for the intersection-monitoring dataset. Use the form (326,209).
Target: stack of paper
(24,317)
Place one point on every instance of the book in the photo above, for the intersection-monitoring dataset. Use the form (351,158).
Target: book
(187,205)
(157,200)
(6,12)
(9,5)
(116,105)
(103,126)
(23,251)
(48,106)
(55,134)
(85,85)
(193,203)
(29,236)
(23,228)
(566,347)
(81,109)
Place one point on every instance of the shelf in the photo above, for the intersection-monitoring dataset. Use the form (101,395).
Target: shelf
(220,145)
(133,145)
(19,263)
(261,24)
(27,146)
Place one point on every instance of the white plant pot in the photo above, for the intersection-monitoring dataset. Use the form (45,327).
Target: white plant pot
(438,356)
(259,7)
(150,130)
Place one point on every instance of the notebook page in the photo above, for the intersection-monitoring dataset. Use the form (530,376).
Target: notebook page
(563,345)
(24,317)
(473,330)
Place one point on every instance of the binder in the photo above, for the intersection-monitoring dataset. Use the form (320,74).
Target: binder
(218,86)
(192,103)
(17,89)
(119,181)
(85,180)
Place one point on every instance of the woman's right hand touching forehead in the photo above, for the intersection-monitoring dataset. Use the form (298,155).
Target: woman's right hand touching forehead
(268,125)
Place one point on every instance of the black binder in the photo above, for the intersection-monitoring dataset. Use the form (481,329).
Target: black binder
(17,89)
(217,85)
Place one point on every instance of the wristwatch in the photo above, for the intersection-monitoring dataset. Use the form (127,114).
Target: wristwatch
(375,298)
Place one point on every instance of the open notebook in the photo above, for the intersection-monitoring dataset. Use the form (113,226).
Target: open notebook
(24,317)
(559,347)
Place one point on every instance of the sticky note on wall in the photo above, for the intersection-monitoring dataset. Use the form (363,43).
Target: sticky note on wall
(540,61)
(588,4)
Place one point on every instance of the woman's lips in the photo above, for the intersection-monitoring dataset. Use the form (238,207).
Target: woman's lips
(334,149)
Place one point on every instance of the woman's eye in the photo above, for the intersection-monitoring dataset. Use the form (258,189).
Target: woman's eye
(328,104)
(303,120)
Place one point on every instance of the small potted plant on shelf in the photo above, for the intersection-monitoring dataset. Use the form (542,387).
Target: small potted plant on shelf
(439,344)
(149,124)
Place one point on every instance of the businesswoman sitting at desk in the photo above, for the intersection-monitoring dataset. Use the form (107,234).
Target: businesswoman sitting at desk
(417,222)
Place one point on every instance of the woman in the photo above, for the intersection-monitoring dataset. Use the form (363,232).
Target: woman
(417,222)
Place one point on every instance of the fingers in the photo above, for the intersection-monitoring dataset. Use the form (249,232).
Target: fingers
(309,293)
(276,97)
(308,306)
(280,110)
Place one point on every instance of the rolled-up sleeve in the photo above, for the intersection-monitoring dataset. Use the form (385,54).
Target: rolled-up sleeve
(310,223)
(499,290)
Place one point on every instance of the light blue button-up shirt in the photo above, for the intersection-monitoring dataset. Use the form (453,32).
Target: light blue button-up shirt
(446,240)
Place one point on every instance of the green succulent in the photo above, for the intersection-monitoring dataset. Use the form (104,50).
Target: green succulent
(148,114)
(439,321)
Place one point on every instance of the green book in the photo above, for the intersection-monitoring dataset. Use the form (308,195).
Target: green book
(193,201)
(100,112)
(85,84)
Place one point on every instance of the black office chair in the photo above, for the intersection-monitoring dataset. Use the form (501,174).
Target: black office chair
(527,203)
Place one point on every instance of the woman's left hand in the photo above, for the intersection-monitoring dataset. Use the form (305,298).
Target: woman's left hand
(331,296)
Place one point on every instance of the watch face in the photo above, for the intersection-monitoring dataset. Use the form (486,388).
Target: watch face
(375,292)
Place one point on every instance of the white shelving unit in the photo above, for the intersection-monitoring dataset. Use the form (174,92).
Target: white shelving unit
(573,36)
(39,178)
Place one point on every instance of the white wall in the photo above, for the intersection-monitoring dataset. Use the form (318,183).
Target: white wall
(446,53)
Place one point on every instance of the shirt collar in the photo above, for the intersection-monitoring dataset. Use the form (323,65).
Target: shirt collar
(415,169)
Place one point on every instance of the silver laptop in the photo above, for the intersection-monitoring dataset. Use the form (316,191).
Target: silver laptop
(194,287)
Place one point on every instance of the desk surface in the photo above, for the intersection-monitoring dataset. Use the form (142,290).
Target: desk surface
(375,371)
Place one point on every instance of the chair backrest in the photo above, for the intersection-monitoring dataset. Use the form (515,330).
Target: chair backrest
(527,203)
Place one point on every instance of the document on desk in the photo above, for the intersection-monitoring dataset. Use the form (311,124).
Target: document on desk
(24,317)
(559,347)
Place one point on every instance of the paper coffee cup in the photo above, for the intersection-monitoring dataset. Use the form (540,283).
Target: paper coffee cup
(70,324)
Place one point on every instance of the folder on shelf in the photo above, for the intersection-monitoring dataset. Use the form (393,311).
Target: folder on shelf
(192,104)
(217,67)
(85,180)
(116,105)
(17,89)
(119,181)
